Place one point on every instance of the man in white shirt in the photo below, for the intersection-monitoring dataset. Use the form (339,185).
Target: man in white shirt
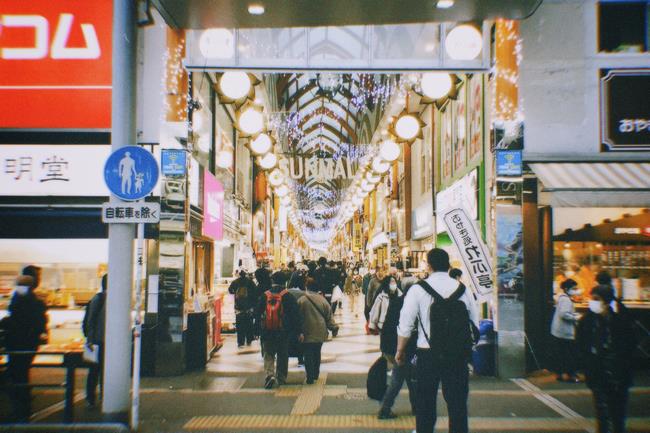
(429,372)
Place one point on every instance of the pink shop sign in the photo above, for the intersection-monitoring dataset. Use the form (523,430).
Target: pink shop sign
(212,207)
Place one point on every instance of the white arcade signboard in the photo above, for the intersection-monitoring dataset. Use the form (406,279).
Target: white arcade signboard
(472,249)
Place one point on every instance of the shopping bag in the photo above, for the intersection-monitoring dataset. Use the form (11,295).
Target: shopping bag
(337,294)
(91,353)
(376,383)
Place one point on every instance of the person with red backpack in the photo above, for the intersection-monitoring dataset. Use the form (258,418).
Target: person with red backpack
(280,322)
(445,316)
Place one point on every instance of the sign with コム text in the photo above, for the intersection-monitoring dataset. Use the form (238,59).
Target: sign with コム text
(55,64)
(130,213)
(472,249)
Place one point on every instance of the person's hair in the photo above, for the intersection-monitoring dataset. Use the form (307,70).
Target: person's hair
(606,292)
(322,261)
(263,277)
(279,278)
(292,264)
(385,283)
(310,284)
(331,263)
(604,278)
(299,281)
(455,273)
(568,284)
(104,282)
(32,271)
(438,259)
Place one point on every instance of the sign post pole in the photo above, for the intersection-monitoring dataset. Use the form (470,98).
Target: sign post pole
(137,334)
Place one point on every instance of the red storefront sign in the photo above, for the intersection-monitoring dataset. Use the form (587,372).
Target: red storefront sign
(55,64)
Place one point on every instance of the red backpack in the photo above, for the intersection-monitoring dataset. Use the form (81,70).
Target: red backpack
(272,318)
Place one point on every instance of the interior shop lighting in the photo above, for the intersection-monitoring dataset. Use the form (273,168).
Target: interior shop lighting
(389,150)
(217,44)
(380,166)
(235,85)
(251,120)
(367,186)
(256,9)
(282,191)
(268,161)
(444,4)
(464,42)
(276,178)
(286,201)
(435,85)
(370,177)
(407,127)
(357,201)
(261,144)
(224,159)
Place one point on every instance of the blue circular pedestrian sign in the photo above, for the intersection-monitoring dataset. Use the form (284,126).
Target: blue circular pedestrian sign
(131,172)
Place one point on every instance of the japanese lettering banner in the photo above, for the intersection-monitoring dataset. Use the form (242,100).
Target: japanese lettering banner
(472,249)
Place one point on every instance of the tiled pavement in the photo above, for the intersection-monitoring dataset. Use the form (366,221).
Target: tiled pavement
(229,397)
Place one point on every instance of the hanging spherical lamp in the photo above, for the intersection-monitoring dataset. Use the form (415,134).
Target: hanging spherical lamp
(367,186)
(217,44)
(464,42)
(389,150)
(276,177)
(261,144)
(224,159)
(407,127)
(282,191)
(370,177)
(235,85)
(380,166)
(251,120)
(435,85)
(268,161)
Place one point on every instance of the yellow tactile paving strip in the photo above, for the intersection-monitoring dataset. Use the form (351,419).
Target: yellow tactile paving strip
(310,397)
(371,422)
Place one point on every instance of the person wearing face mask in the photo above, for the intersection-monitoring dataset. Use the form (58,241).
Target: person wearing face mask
(563,332)
(387,290)
(24,330)
(606,341)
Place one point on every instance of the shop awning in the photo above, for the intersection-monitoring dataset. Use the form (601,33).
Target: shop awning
(601,184)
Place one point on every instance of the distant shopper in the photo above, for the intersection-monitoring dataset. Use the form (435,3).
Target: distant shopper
(246,299)
(326,277)
(264,283)
(373,290)
(316,321)
(444,315)
(25,329)
(388,346)
(606,341)
(93,327)
(280,321)
(563,332)
(379,309)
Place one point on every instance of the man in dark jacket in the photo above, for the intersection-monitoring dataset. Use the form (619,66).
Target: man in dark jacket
(24,327)
(280,322)
(606,340)
(326,278)
(246,299)
(93,327)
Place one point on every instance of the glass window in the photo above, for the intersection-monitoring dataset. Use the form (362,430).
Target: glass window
(623,26)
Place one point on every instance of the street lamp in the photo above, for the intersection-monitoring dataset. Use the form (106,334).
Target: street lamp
(251,120)
(464,42)
(235,85)
(435,85)
(268,161)
(261,144)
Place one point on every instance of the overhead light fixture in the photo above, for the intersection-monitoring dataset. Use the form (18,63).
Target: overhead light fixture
(464,42)
(389,150)
(408,127)
(370,177)
(444,4)
(286,201)
(282,191)
(261,144)
(217,44)
(256,9)
(268,161)
(380,166)
(367,186)
(235,85)
(224,159)
(435,85)
(251,120)
(276,178)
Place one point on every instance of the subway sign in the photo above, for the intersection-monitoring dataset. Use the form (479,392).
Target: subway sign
(55,64)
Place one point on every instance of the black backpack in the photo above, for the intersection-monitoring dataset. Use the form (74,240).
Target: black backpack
(450,333)
(376,383)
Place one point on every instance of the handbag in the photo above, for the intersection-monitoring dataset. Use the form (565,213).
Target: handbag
(91,353)
(376,383)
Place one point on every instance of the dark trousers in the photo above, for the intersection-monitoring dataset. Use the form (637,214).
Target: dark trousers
(566,356)
(399,374)
(611,406)
(455,389)
(275,348)
(21,396)
(312,354)
(244,324)
(95,373)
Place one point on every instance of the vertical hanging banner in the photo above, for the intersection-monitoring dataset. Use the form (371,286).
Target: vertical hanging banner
(55,64)
(474,252)
(212,207)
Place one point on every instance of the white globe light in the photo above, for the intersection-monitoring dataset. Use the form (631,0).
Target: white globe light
(276,177)
(224,159)
(357,201)
(282,191)
(217,44)
(464,42)
(407,127)
(389,150)
(435,85)
(268,161)
(363,194)
(286,201)
(251,121)
(235,85)
(380,166)
(367,186)
(261,144)
(370,177)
